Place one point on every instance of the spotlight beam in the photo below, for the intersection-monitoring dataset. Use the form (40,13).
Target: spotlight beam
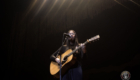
(123,5)
(78,6)
(135,3)
(58,9)
(49,11)
(51,8)
(31,7)
(41,7)
(86,4)
(66,9)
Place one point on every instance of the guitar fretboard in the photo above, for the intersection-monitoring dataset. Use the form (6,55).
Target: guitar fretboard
(77,49)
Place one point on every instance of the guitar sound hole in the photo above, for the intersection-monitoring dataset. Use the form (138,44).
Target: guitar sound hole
(65,58)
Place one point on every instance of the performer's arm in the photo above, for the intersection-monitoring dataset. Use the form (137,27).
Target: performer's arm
(54,55)
(84,49)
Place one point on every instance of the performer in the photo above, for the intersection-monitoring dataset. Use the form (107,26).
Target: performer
(75,72)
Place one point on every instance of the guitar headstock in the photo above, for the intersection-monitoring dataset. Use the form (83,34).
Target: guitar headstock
(94,38)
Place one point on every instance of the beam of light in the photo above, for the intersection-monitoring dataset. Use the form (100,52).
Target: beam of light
(31,7)
(51,8)
(49,11)
(58,8)
(41,6)
(86,4)
(135,3)
(78,6)
(66,9)
(39,9)
(123,6)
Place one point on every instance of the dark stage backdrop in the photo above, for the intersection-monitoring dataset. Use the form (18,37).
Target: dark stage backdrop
(31,30)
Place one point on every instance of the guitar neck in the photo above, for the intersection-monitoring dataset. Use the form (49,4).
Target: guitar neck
(77,49)
(91,39)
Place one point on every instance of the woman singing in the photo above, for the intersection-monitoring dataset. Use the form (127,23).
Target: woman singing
(75,72)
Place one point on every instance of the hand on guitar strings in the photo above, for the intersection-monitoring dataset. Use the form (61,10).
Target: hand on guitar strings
(57,60)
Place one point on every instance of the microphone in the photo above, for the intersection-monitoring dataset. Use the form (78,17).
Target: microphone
(66,34)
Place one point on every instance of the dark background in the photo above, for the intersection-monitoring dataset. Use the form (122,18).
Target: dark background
(29,35)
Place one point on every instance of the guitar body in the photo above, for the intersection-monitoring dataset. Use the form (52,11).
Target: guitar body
(55,68)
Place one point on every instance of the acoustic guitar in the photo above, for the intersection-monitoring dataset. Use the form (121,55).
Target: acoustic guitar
(67,60)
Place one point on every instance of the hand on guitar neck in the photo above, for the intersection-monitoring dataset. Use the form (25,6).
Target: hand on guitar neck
(83,47)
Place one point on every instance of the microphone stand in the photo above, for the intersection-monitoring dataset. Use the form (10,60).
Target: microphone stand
(60,54)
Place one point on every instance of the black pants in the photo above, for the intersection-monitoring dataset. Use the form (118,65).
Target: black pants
(73,74)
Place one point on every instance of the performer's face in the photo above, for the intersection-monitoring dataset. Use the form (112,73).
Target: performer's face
(72,34)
